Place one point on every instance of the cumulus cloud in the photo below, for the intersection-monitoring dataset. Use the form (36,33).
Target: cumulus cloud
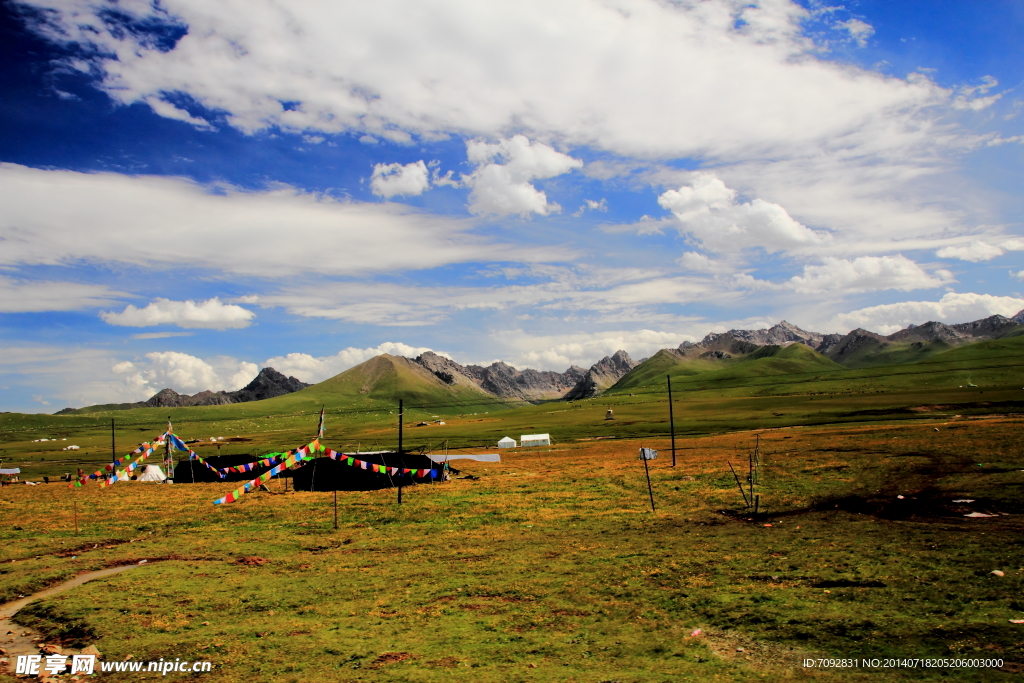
(210,314)
(389,180)
(951,309)
(709,211)
(105,217)
(977,250)
(26,296)
(867,273)
(318,368)
(183,373)
(501,183)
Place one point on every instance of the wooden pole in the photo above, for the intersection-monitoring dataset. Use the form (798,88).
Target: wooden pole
(671,419)
(335,507)
(737,477)
(113,445)
(76,517)
(401,414)
(647,471)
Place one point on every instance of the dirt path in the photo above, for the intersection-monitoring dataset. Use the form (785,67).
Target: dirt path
(18,640)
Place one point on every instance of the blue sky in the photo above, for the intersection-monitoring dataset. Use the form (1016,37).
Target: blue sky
(191,190)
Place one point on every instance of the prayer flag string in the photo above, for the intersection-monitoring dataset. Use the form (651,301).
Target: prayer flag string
(293,458)
(147,447)
(352,461)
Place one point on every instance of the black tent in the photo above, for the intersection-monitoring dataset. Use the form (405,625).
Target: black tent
(191,471)
(327,474)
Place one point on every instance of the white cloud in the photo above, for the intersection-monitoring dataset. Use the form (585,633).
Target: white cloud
(183,373)
(161,335)
(389,180)
(976,251)
(168,110)
(25,296)
(210,315)
(859,30)
(865,274)
(103,217)
(592,205)
(558,352)
(382,69)
(313,369)
(701,263)
(609,294)
(966,97)
(870,157)
(79,377)
(504,170)
(710,212)
(951,309)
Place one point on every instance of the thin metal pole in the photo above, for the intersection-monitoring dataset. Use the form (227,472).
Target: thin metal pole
(737,477)
(335,508)
(647,471)
(76,517)
(113,445)
(671,419)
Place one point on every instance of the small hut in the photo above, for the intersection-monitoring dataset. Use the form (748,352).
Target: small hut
(507,442)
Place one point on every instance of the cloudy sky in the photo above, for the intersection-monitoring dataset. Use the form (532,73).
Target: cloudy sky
(193,189)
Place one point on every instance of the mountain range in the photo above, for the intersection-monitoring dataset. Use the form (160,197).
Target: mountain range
(435,379)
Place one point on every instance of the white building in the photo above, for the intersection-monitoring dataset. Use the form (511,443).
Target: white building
(534,440)
(507,442)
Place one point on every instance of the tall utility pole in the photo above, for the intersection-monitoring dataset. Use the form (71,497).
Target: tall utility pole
(401,416)
(671,419)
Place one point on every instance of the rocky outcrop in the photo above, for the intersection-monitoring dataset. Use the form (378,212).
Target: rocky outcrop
(267,384)
(929,332)
(169,398)
(853,344)
(601,376)
(741,342)
(991,327)
(503,380)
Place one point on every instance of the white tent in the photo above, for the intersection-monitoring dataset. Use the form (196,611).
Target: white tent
(507,442)
(535,440)
(151,473)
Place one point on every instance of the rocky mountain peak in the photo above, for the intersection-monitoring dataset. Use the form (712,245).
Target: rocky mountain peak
(601,376)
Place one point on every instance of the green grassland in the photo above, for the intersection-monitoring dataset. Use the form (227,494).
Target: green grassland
(550,566)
